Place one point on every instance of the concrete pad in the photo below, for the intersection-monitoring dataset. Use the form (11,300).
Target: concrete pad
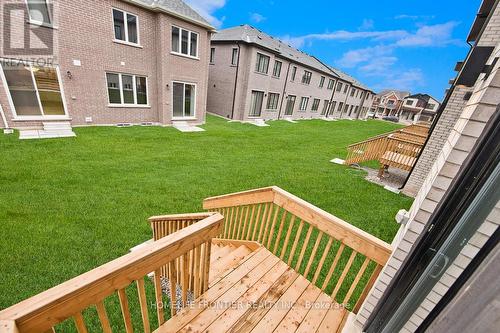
(329,119)
(391,189)
(8,131)
(186,127)
(338,161)
(259,123)
(290,120)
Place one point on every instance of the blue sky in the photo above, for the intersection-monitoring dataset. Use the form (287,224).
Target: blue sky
(400,44)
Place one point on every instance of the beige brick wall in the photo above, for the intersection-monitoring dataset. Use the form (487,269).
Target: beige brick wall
(438,137)
(468,128)
(222,76)
(85,33)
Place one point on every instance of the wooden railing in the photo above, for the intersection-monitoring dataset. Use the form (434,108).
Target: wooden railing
(89,290)
(340,259)
(399,148)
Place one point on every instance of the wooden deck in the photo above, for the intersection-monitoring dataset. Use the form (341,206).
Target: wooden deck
(252,290)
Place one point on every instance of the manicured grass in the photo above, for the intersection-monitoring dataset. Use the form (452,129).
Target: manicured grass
(69,205)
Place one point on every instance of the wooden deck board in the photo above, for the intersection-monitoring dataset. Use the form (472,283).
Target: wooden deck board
(260,293)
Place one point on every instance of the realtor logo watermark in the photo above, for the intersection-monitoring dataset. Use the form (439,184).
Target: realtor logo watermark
(26,30)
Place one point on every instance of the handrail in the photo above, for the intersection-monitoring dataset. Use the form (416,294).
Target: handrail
(41,312)
(314,242)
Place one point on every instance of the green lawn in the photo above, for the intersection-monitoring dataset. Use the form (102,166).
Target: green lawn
(69,205)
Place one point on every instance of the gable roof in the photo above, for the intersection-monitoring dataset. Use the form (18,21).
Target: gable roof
(423,97)
(176,8)
(250,35)
(399,94)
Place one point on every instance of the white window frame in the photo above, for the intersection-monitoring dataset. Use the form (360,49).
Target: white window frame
(322,81)
(331,84)
(262,107)
(313,104)
(234,56)
(306,79)
(126,41)
(41,23)
(183,99)
(294,74)
(134,83)
(31,117)
(276,62)
(197,57)
(212,55)
(301,106)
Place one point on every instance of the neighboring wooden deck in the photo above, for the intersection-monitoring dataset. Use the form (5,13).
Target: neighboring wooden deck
(254,291)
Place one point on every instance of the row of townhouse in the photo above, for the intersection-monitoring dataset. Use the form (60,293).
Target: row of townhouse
(148,62)
(103,63)
(256,76)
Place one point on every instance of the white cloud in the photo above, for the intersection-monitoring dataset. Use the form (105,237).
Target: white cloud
(257,18)
(413,17)
(431,35)
(409,80)
(378,66)
(366,25)
(207,8)
(353,58)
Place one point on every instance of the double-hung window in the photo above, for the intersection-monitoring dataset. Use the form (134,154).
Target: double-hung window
(341,104)
(294,72)
(127,89)
(184,97)
(322,82)
(352,92)
(277,68)
(325,107)
(339,86)
(330,84)
(303,103)
(184,42)
(346,88)
(306,78)
(126,26)
(40,12)
(315,105)
(234,57)
(272,101)
(262,65)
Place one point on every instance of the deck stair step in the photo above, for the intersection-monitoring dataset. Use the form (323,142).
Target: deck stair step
(60,129)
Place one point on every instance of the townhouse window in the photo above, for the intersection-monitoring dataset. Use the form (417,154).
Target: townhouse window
(346,88)
(34,90)
(346,107)
(430,106)
(303,103)
(262,65)
(339,86)
(39,11)
(322,82)
(277,68)
(356,109)
(341,104)
(330,84)
(352,92)
(362,94)
(294,72)
(409,102)
(325,107)
(126,26)
(126,89)
(234,57)
(184,42)
(212,55)
(315,105)
(184,100)
(306,78)
(272,101)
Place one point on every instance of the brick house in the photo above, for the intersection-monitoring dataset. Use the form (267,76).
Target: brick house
(256,76)
(388,102)
(142,61)
(419,107)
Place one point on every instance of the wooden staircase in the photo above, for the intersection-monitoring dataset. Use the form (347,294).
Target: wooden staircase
(259,261)
(399,149)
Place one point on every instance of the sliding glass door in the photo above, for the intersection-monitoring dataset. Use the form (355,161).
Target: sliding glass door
(184,100)
(290,104)
(256,103)
(34,90)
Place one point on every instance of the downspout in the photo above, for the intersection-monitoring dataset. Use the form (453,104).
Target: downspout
(284,90)
(345,101)
(236,79)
